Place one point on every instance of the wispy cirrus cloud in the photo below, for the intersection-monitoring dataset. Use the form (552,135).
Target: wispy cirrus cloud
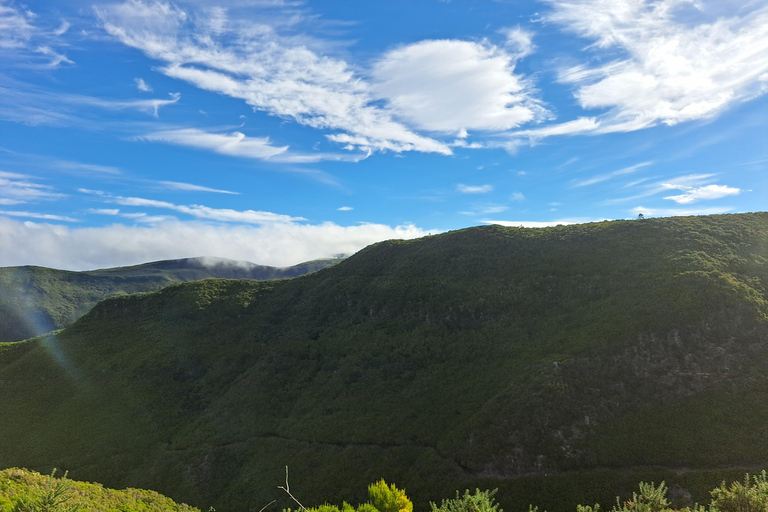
(271,73)
(18,188)
(16,27)
(36,215)
(32,105)
(198,211)
(24,44)
(696,187)
(240,145)
(605,177)
(189,187)
(678,63)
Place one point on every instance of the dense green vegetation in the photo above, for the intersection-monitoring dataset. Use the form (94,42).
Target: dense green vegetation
(559,365)
(37,300)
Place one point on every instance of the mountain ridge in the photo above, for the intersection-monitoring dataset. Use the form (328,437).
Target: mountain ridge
(35,300)
(577,357)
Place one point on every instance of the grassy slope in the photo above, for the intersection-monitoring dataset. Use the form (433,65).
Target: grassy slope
(19,484)
(598,355)
(37,300)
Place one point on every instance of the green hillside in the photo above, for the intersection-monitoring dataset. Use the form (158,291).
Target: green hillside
(561,365)
(37,300)
(27,491)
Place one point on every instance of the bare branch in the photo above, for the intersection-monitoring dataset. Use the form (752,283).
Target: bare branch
(287,489)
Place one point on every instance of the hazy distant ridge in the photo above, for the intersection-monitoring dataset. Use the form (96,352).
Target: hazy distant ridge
(37,300)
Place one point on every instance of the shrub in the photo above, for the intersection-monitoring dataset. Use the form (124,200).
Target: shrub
(650,499)
(480,501)
(750,496)
(52,497)
(388,498)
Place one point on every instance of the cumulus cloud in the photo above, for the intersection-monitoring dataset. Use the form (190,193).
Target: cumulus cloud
(455,86)
(678,63)
(474,189)
(270,73)
(283,244)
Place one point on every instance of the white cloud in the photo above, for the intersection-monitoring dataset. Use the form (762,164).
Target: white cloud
(18,188)
(675,66)
(240,145)
(605,177)
(175,185)
(58,246)
(345,209)
(474,189)
(32,105)
(104,211)
(22,42)
(692,195)
(518,41)
(517,196)
(151,106)
(577,126)
(15,27)
(79,167)
(56,58)
(34,215)
(455,86)
(270,73)
(65,25)
(142,85)
(200,211)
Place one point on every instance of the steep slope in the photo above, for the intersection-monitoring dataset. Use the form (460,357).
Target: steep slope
(541,361)
(37,300)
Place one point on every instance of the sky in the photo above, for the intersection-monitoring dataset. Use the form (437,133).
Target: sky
(278,132)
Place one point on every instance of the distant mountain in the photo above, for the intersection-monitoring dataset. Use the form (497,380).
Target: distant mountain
(37,300)
(561,365)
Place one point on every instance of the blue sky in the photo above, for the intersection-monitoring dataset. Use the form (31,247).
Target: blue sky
(279,131)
